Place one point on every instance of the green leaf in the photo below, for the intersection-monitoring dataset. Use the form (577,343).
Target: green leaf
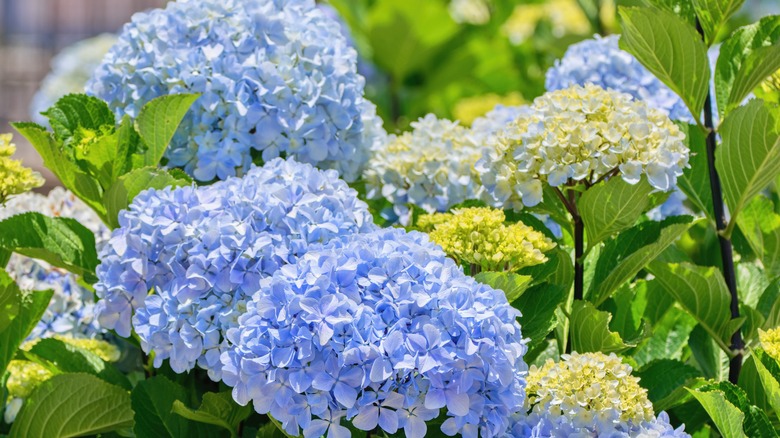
(72,405)
(703,293)
(668,337)
(681,8)
(713,15)
(537,306)
(513,285)
(67,358)
(78,111)
(662,377)
(749,158)
(128,186)
(218,409)
(557,270)
(770,384)
(747,57)
(72,177)
(158,121)
(756,423)
(31,309)
(769,305)
(625,255)
(761,227)
(671,49)
(10,300)
(725,415)
(590,330)
(62,242)
(612,206)
(153,402)
(695,181)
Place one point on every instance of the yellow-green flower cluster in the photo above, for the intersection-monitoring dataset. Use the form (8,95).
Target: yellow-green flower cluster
(14,178)
(770,342)
(104,350)
(479,236)
(590,387)
(581,134)
(24,377)
(469,109)
(431,167)
(564,17)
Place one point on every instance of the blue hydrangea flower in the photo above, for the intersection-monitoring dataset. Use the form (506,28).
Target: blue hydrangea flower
(601,62)
(277,78)
(203,252)
(546,426)
(382,330)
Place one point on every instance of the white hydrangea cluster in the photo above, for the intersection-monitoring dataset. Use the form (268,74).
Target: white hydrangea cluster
(431,167)
(470,11)
(580,135)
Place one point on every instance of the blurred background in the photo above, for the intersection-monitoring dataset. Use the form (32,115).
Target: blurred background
(454,58)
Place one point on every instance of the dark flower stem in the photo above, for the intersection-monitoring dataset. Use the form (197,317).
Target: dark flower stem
(579,246)
(726,248)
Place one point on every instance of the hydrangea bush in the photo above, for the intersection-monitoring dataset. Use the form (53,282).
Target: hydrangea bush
(224,258)
(277,79)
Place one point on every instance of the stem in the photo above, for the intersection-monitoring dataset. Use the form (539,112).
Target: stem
(726,249)
(579,268)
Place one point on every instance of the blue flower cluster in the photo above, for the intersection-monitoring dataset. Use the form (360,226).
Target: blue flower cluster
(277,78)
(380,329)
(601,62)
(555,426)
(203,251)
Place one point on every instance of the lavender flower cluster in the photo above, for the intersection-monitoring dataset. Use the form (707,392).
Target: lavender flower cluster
(203,251)
(277,78)
(383,330)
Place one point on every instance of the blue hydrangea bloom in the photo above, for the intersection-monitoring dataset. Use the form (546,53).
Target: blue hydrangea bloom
(546,426)
(381,330)
(203,252)
(673,206)
(277,78)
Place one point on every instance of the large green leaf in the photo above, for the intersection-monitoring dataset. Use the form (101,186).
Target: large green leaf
(768,381)
(755,423)
(156,124)
(153,400)
(749,158)
(695,181)
(512,284)
(63,242)
(557,270)
(10,300)
(662,377)
(612,206)
(71,176)
(625,255)
(761,227)
(727,417)
(78,111)
(713,15)
(746,58)
(701,291)
(538,307)
(67,358)
(671,49)
(73,405)
(668,337)
(681,8)
(590,330)
(32,306)
(217,409)
(128,186)
(769,305)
